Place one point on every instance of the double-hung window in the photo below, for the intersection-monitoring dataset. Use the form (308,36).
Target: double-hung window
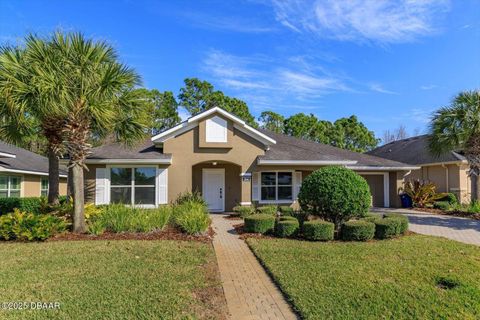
(277,186)
(10,186)
(44,187)
(133,185)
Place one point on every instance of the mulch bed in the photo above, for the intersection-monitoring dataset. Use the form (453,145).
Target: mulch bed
(463,214)
(233,217)
(168,233)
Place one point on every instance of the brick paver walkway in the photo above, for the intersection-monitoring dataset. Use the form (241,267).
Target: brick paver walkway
(249,291)
(455,228)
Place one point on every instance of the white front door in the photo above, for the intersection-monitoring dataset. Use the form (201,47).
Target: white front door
(213,188)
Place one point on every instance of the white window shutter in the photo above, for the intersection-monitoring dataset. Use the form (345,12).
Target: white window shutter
(256,186)
(162,174)
(101,186)
(298,184)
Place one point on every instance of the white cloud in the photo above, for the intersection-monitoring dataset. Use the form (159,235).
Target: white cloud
(379,88)
(360,20)
(428,87)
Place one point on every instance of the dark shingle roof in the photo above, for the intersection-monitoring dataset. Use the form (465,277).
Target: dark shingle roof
(290,148)
(115,150)
(413,151)
(24,160)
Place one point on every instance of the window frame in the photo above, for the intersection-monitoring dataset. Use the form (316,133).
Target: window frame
(132,185)
(276,201)
(9,184)
(41,186)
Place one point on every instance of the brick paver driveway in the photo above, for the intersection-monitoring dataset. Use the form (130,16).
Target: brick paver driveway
(455,228)
(249,291)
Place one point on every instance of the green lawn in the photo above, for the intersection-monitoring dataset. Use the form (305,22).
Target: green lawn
(390,279)
(112,279)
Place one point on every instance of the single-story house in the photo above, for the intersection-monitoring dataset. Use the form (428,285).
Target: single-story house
(449,171)
(24,173)
(229,162)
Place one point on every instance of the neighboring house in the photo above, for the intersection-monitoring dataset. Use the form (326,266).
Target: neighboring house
(24,173)
(229,162)
(449,171)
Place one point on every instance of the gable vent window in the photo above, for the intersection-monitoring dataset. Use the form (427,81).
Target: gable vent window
(216,130)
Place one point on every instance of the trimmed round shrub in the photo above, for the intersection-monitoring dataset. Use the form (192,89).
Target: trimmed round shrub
(387,228)
(371,218)
(272,210)
(244,211)
(286,218)
(286,210)
(358,230)
(403,227)
(286,228)
(318,230)
(259,223)
(335,194)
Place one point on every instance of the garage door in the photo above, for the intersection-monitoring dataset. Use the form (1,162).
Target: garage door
(375,182)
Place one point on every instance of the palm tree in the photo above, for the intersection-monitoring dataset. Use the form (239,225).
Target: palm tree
(457,127)
(98,96)
(28,90)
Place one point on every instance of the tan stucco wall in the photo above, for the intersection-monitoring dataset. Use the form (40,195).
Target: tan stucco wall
(187,153)
(458,180)
(232,182)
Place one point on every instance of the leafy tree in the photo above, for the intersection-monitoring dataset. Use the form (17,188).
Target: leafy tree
(163,107)
(197,96)
(272,121)
(29,88)
(353,135)
(301,126)
(457,127)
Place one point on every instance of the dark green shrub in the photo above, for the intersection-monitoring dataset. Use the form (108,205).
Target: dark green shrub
(25,226)
(335,194)
(387,228)
(286,210)
(301,216)
(442,205)
(259,223)
(357,230)
(286,228)
(31,204)
(286,218)
(403,227)
(318,230)
(271,209)
(451,198)
(188,196)
(244,211)
(371,218)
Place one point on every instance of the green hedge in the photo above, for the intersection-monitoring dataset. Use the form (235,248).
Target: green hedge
(31,205)
(387,228)
(286,210)
(358,230)
(287,218)
(403,227)
(371,218)
(272,210)
(318,230)
(244,211)
(286,228)
(259,223)
(451,198)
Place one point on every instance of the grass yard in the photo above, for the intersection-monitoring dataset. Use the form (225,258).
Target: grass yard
(404,278)
(112,279)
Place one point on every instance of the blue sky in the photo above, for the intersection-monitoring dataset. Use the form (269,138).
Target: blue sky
(389,63)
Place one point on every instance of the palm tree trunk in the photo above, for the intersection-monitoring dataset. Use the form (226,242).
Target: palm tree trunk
(79,225)
(69,184)
(477,184)
(53,176)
